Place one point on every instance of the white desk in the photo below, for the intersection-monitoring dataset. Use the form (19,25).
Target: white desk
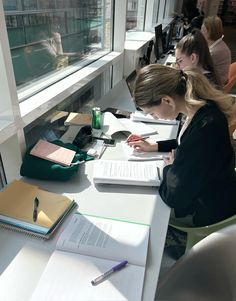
(138,204)
(167,59)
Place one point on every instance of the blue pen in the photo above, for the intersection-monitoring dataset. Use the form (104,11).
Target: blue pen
(104,276)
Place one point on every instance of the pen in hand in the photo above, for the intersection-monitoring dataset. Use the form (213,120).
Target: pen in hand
(141,138)
(104,276)
(35,211)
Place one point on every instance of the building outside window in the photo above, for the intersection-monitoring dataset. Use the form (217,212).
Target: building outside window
(135,15)
(50,37)
(155,12)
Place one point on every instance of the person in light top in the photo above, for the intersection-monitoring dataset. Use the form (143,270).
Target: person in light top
(212,30)
(192,51)
(199,180)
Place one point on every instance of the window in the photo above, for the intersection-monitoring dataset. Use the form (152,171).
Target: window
(135,15)
(50,39)
(155,12)
(51,125)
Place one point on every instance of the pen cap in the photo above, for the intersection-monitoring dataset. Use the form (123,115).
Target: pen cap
(120,265)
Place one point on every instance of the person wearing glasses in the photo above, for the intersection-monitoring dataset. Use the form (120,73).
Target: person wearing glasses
(212,30)
(192,51)
(199,180)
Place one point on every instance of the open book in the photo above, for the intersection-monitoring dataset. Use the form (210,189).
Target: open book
(126,173)
(89,247)
(140,116)
(112,125)
(17,209)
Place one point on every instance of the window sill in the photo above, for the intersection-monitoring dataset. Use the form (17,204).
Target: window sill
(139,36)
(38,104)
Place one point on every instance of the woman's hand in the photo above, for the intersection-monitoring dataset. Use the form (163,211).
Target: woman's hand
(140,144)
(169,159)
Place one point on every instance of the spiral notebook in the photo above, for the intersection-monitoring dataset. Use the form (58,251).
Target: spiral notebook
(17,209)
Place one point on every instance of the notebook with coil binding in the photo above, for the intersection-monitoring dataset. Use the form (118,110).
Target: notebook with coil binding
(19,210)
(35,234)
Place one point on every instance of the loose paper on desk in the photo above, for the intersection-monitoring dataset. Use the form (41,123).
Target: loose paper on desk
(126,173)
(52,152)
(88,247)
(112,125)
(140,116)
(133,155)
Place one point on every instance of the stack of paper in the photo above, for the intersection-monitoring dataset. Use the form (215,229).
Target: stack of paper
(126,173)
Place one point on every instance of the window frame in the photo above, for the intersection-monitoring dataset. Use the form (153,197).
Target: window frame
(22,114)
(16,116)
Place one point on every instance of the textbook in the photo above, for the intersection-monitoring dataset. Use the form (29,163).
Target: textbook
(140,116)
(133,155)
(78,119)
(112,125)
(126,173)
(26,208)
(88,247)
(52,152)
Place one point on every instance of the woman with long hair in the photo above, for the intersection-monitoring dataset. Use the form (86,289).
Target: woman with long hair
(192,51)
(199,180)
(212,30)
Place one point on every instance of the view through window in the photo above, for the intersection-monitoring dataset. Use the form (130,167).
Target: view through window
(49,36)
(135,15)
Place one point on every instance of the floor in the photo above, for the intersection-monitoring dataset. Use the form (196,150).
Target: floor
(229,37)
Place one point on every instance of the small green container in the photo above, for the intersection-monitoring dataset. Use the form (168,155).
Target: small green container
(96,118)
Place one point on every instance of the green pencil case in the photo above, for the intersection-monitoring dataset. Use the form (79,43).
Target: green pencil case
(37,168)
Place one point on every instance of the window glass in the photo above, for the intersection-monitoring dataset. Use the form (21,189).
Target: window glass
(155,12)
(51,125)
(46,37)
(135,15)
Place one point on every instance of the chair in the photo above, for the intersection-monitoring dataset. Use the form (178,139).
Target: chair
(206,273)
(195,234)
(231,78)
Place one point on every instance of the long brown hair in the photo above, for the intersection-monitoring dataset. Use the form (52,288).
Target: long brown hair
(195,42)
(214,27)
(155,81)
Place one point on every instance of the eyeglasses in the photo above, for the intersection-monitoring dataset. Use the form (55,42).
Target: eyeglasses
(180,60)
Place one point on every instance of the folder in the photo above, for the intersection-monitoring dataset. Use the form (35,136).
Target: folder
(17,205)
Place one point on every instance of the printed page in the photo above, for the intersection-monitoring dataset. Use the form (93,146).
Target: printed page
(133,155)
(126,173)
(106,238)
(68,276)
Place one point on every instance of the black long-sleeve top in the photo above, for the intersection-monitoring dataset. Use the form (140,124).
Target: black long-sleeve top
(202,179)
